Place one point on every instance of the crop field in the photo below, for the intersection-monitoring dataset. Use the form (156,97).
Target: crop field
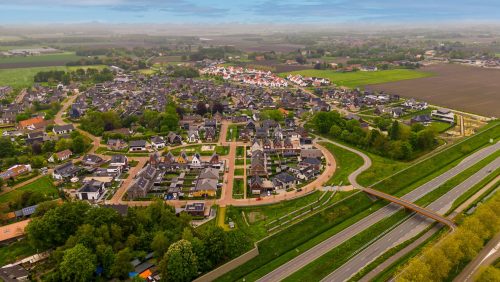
(23,77)
(58,59)
(465,88)
(359,78)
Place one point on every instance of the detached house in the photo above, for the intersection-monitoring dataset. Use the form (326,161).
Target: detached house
(60,156)
(157,142)
(63,129)
(174,138)
(65,171)
(138,146)
(91,190)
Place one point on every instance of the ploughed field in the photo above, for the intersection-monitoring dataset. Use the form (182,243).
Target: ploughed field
(466,88)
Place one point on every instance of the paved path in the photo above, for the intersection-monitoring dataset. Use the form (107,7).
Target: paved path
(324,247)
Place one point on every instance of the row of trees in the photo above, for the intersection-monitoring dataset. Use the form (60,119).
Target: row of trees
(401,142)
(89,240)
(442,260)
(83,75)
(99,122)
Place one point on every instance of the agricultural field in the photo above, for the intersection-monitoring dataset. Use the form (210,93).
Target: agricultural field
(465,88)
(57,59)
(23,77)
(359,78)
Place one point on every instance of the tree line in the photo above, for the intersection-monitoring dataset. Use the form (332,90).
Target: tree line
(442,261)
(95,243)
(401,142)
(82,75)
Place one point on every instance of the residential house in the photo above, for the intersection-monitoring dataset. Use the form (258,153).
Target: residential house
(195,209)
(32,123)
(157,142)
(443,115)
(193,135)
(119,161)
(284,180)
(92,190)
(92,160)
(116,144)
(174,138)
(15,171)
(63,129)
(138,146)
(60,156)
(65,171)
(423,119)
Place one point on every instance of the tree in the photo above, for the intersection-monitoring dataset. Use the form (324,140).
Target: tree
(78,145)
(395,131)
(214,238)
(201,108)
(160,244)
(6,148)
(179,263)
(488,274)
(105,258)
(78,264)
(122,266)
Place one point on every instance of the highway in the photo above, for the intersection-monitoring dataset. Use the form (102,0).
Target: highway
(412,226)
(327,245)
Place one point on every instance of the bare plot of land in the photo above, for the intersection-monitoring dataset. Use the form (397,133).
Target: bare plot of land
(465,88)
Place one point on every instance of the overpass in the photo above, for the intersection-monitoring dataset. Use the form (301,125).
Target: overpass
(411,206)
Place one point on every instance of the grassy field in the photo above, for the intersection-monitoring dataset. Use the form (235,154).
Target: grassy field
(57,57)
(359,78)
(23,77)
(300,237)
(335,258)
(43,184)
(408,179)
(12,252)
(238,189)
(347,162)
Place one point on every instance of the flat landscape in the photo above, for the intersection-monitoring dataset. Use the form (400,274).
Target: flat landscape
(469,89)
(58,59)
(23,77)
(359,78)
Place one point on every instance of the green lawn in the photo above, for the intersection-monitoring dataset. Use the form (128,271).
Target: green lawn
(64,57)
(291,242)
(238,188)
(15,251)
(347,162)
(43,185)
(408,179)
(23,77)
(440,126)
(238,171)
(335,258)
(359,78)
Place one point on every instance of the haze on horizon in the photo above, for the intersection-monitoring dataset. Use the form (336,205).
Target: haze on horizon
(279,12)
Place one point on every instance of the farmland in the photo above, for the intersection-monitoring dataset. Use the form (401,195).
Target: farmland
(359,79)
(58,59)
(469,89)
(23,77)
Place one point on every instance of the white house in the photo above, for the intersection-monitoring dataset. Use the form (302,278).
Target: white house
(196,161)
(158,143)
(91,190)
(443,115)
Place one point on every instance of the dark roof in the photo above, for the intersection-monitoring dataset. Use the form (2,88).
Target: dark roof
(138,143)
(285,177)
(195,207)
(64,127)
(13,273)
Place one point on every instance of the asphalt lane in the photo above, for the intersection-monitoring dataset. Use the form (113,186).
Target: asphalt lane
(414,225)
(327,245)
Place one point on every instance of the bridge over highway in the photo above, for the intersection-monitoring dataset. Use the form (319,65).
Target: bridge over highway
(414,207)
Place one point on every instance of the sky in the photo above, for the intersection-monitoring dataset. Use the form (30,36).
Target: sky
(248,11)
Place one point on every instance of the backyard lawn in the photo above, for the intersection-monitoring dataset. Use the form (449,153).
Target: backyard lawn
(43,185)
(361,78)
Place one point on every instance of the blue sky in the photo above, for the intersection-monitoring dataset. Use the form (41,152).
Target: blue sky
(248,11)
